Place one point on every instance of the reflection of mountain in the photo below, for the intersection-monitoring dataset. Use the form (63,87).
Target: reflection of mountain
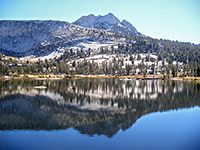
(77,104)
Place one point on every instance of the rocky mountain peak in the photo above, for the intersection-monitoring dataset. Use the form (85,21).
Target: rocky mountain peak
(109,18)
(107,22)
(86,21)
(128,24)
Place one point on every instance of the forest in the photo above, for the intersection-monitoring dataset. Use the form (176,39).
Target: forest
(165,50)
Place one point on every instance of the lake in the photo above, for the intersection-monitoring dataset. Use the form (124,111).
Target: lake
(92,114)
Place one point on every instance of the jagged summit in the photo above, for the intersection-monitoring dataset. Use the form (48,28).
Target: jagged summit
(109,18)
(107,22)
(86,21)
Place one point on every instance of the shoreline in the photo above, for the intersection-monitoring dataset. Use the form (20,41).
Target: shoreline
(136,77)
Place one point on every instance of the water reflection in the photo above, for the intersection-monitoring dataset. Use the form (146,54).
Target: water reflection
(92,106)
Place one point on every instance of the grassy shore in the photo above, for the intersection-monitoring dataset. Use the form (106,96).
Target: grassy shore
(56,77)
(77,76)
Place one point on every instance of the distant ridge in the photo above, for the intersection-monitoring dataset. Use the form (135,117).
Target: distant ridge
(108,22)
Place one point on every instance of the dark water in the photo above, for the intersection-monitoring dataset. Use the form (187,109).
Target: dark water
(99,114)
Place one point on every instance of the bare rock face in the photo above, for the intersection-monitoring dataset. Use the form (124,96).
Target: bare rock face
(108,22)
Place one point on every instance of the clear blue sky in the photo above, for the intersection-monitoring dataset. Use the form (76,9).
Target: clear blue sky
(167,19)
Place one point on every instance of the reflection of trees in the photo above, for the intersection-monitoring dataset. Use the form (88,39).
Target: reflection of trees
(82,108)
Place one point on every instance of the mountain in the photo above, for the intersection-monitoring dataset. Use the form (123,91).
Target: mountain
(42,38)
(92,21)
(47,39)
(50,38)
(108,22)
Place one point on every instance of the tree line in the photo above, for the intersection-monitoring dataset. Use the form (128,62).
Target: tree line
(166,50)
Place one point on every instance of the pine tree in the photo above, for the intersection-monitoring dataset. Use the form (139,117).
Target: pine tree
(198,71)
(173,71)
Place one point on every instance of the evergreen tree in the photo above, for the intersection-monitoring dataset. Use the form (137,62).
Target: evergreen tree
(174,71)
(198,71)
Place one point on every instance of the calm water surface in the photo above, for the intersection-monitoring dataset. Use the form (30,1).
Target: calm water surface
(99,114)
